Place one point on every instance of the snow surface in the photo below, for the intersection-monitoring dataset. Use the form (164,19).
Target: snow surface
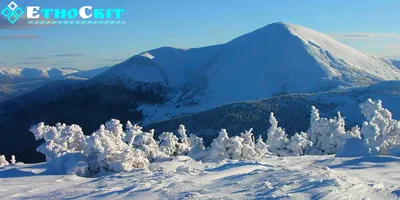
(311,177)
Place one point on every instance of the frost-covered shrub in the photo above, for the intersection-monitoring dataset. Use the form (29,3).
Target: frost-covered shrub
(355,132)
(168,143)
(261,148)
(380,132)
(219,146)
(3,161)
(236,147)
(279,144)
(195,142)
(106,151)
(277,138)
(13,160)
(109,149)
(298,143)
(249,148)
(113,149)
(145,142)
(197,148)
(192,146)
(136,138)
(115,127)
(131,132)
(182,133)
(171,145)
(183,147)
(326,135)
(60,139)
(129,160)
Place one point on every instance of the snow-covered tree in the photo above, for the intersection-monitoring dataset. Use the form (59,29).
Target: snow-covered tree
(326,135)
(145,142)
(128,160)
(298,143)
(238,148)
(355,132)
(261,148)
(196,147)
(195,142)
(277,138)
(3,161)
(248,150)
(13,160)
(116,128)
(380,132)
(182,133)
(182,147)
(131,132)
(106,151)
(168,143)
(171,145)
(60,139)
(234,147)
(219,146)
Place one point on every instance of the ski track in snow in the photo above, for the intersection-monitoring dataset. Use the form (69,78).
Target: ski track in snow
(307,177)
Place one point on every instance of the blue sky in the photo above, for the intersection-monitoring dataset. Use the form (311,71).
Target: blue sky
(368,25)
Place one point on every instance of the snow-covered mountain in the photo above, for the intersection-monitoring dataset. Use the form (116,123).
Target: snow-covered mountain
(17,81)
(22,73)
(289,58)
(278,58)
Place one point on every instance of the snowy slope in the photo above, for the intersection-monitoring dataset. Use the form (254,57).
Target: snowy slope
(180,64)
(343,61)
(172,66)
(139,68)
(311,177)
(396,63)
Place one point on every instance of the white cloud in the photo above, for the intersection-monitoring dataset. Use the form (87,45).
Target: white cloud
(367,36)
(382,44)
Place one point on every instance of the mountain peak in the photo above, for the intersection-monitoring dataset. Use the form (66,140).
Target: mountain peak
(278,58)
